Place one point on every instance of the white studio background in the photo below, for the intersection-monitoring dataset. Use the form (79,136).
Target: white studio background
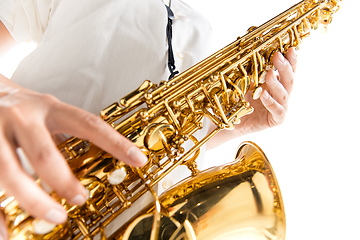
(314,152)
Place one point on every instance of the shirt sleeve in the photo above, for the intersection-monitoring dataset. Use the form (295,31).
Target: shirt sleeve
(26,20)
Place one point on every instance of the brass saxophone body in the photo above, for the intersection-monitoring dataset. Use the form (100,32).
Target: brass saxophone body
(234,201)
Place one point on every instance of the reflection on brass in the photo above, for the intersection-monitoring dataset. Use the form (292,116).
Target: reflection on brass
(241,200)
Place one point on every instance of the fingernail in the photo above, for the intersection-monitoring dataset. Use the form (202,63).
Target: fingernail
(295,53)
(265,95)
(137,156)
(281,58)
(87,193)
(78,200)
(56,216)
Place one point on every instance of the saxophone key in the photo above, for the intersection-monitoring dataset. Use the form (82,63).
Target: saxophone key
(110,111)
(257,93)
(136,94)
(159,137)
(262,77)
(117,176)
(41,227)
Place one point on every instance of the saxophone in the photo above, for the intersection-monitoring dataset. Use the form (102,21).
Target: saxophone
(234,201)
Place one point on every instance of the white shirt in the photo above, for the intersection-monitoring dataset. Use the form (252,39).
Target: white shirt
(93,52)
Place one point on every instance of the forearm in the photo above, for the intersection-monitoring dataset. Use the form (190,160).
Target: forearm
(6,40)
(5,82)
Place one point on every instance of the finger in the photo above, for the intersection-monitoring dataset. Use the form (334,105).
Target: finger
(91,127)
(3,228)
(276,89)
(48,163)
(291,56)
(59,138)
(287,75)
(29,195)
(277,111)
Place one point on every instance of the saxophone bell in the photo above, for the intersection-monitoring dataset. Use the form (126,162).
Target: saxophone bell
(234,201)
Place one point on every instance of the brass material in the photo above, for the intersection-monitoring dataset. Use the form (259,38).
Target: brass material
(135,95)
(240,200)
(231,201)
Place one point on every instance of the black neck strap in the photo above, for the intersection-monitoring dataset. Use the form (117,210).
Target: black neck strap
(171,59)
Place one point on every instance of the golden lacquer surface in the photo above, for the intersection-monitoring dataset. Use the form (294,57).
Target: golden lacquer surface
(237,201)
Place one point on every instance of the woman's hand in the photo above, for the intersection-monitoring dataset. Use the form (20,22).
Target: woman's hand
(29,120)
(270,110)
